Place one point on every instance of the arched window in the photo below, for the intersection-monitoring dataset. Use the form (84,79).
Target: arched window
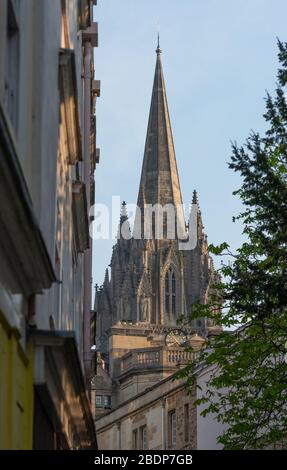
(173,289)
(170,293)
(167,309)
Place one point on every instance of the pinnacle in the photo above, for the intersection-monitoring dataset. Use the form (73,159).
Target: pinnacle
(194,197)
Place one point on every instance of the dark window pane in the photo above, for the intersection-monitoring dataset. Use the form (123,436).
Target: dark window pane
(173,304)
(173,283)
(167,283)
(167,303)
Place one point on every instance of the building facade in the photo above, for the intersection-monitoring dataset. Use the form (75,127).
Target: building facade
(155,278)
(48,157)
(162,417)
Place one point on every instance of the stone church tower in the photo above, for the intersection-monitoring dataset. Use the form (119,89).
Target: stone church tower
(153,282)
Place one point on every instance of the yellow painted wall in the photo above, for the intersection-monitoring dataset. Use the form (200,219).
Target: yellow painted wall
(16,390)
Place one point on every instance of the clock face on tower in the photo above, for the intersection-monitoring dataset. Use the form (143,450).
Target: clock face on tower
(176,338)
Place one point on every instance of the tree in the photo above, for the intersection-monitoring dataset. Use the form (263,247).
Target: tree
(248,389)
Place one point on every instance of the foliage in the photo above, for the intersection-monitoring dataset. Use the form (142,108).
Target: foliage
(248,386)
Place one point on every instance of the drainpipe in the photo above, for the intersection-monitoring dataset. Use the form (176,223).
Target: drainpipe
(87,174)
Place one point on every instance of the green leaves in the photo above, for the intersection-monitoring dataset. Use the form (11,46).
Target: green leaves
(218,250)
(247,390)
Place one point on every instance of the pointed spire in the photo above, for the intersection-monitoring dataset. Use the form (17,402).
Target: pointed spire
(159,179)
(123,232)
(158,49)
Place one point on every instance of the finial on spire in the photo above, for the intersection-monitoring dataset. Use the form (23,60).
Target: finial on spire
(124,210)
(195,197)
(124,227)
(158,49)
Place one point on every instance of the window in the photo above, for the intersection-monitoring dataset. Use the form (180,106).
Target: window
(107,401)
(135,439)
(103,401)
(99,401)
(165,225)
(173,293)
(186,422)
(172,429)
(143,437)
(12,61)
(170,293)
(167,293)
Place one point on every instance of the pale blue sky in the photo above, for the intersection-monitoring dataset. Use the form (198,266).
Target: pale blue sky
(219,57)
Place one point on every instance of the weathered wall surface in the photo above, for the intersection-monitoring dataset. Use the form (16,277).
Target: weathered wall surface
(151,409)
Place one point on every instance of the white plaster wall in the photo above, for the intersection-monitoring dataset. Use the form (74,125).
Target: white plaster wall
(37,142)
(67,314)
(208,429)
(46,43)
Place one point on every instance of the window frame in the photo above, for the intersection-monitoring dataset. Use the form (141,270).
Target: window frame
(143,442)
(172,431)
(167,293)
(107,402)
(170,293)
(99,405)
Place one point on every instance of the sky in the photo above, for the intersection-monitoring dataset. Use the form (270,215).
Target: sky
(219,58)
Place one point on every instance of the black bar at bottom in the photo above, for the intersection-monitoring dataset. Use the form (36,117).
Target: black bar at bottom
(124,459)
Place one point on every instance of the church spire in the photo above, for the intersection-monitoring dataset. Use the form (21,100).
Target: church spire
(159,179)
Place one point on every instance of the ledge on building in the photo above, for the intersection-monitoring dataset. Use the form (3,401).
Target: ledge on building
(95,152)
(97,155)
(60,388)
(69,98)
(95,160)
(80,216)
(91,34)
(25,261)
(97,88)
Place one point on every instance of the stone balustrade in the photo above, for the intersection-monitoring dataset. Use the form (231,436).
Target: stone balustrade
(178,356)
(148,358)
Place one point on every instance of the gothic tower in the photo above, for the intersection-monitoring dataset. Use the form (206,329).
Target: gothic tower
(153,281)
